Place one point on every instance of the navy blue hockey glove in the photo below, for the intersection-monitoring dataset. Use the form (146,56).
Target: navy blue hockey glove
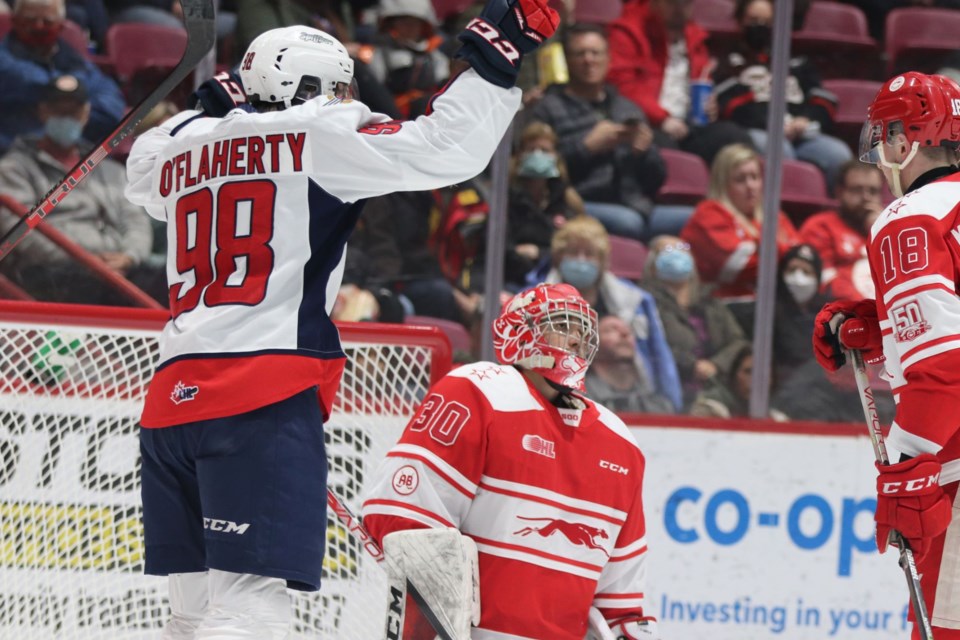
(495,42)
(220,95)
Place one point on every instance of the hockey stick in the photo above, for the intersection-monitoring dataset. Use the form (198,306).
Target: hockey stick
(907,561)
(598,625)
(198,19)
(354,526)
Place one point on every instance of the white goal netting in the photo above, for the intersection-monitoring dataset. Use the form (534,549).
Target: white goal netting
(71,557)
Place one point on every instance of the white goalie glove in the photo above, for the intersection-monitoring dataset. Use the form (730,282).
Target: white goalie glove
(438,567)
(632,629)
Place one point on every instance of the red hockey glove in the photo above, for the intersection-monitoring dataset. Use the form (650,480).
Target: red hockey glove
(911,501)
(859,328)
(495,42)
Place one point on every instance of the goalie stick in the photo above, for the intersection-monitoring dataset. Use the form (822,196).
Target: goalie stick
(397,599)
(198,19)
(907,561)
(597,624)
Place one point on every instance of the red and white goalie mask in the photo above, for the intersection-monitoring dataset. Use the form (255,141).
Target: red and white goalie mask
(549,329)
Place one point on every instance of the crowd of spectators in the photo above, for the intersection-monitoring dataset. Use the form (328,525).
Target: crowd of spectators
(587,169)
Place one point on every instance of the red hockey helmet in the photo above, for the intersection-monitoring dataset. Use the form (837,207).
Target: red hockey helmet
(549,329)
(924,108)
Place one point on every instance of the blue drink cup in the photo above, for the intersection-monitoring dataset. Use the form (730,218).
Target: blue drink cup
(700,90)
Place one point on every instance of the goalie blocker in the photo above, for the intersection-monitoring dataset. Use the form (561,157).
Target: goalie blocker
(435,571)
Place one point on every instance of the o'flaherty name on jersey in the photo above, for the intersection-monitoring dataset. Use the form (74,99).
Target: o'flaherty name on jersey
(248,155)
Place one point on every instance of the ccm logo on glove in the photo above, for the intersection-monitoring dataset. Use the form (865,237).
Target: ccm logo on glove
(917,484)
(491,35)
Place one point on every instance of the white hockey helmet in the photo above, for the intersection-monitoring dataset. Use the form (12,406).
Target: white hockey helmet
(293,64)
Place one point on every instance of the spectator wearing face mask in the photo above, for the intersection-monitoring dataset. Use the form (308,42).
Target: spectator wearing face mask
(607,143)
(541,201)
(702,332)
(580,254)
(32,55)
(97,215)
(798,302)
(743,84)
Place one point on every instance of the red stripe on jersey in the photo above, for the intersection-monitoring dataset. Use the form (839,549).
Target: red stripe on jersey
(614,596)
(534,552)
(433,467)
(195,389)
(886,331)
(443,90)
(636,553)
(911,292)
(559,505)
(927,345)
(406,506)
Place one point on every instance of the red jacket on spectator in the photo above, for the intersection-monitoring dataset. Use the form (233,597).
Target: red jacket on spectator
(726,248)
(843,249)
(638,56)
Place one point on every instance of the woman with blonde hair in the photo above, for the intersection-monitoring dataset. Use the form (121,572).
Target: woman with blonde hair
(725,229)
(580,255)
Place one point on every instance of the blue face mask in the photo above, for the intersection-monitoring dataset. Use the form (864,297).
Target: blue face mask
(538,164)
(64,131)
(582,274)
(674,266)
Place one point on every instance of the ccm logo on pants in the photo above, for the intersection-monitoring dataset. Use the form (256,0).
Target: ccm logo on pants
(225,526)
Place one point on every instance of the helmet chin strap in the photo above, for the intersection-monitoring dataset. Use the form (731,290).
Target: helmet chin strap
(896,167)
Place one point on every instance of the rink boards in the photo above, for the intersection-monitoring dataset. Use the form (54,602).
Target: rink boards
(755,531)
(765,530)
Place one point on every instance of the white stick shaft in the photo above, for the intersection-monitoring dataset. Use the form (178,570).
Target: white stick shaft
(598,626)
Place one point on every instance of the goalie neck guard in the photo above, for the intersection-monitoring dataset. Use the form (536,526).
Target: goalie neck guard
(549,329)
(290,65)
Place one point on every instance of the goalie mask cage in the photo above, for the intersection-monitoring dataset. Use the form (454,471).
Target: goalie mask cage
(72,381)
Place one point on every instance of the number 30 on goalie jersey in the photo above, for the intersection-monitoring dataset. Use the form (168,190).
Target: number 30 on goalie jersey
(552,497)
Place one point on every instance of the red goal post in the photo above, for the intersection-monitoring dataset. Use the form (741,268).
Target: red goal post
(72,380)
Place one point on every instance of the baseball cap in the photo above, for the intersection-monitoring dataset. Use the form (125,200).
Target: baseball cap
(64,88)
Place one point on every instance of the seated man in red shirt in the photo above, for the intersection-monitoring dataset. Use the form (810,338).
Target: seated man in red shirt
(840,236)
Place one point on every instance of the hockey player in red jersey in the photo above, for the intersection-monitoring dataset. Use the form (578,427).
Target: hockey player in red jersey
(259,203)
(545,482)
(913,135)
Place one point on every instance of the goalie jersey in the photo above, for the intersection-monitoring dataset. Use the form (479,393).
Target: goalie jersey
(551,496)
(258,208)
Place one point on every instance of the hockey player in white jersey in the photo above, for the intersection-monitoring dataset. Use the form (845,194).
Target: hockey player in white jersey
(544,482)
(259,204)
(913,134)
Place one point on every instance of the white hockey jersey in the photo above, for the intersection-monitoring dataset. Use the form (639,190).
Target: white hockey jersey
(915,262)
(259,207)
(551,496)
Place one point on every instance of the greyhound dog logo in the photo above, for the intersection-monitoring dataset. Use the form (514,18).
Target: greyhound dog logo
(576,533)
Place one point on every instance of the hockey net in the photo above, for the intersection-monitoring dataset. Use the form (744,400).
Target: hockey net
(72,380)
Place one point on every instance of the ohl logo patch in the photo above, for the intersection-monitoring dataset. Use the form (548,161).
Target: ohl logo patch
(183,393)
